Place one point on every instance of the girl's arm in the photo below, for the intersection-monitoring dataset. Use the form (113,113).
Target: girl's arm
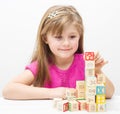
(99,63)
(21,88)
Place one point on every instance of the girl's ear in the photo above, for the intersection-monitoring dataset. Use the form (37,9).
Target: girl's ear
(45,40)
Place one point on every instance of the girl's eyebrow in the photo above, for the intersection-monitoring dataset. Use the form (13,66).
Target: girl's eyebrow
(73,33)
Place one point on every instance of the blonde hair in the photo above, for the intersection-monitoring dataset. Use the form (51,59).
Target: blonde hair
(53,21)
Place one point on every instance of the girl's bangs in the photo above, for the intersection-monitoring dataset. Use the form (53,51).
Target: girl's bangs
(57,25)
(56,28)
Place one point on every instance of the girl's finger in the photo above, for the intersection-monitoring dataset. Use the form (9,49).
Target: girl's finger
(100,60)
(97,55)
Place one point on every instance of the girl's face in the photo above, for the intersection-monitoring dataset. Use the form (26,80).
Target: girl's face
(65,45)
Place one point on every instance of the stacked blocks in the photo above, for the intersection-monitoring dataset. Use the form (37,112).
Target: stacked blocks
(90,93)
(90,81)
(95,86)
(80,88)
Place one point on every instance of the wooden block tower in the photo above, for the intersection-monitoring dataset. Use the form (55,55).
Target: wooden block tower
(95,86)
(90,94)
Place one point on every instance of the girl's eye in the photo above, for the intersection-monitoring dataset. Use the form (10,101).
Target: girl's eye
(72,36)
(58,37)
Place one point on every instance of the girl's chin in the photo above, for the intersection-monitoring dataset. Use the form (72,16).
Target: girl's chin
(65,56)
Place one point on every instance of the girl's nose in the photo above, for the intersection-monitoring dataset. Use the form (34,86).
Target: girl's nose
(66,41)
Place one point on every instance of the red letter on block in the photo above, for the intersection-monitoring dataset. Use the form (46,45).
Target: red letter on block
(89,56)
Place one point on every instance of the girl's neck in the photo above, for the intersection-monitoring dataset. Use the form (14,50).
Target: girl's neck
(64,63)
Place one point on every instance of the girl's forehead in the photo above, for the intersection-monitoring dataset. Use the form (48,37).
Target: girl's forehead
(70,27)
(66,28)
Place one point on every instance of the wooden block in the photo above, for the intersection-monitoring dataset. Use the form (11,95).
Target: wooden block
(55,101)
(89,72)
(91,107)
(91,81)
(73,105)
(89,64)
(89,56)
(70,94)
(101,107)
(90,98)
(80,95)
(82,104)
(100,89)
(101,79)
(100,99)
(91,90)
(63,105)
(80,85)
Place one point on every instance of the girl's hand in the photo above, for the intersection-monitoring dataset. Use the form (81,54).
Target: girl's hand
(60,92)
(99,62)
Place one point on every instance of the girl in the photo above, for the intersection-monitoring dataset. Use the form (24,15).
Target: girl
(57,61)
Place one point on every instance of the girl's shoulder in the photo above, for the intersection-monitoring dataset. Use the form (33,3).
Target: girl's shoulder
(33,66)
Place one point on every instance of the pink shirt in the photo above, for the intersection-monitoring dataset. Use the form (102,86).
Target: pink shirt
(63,78)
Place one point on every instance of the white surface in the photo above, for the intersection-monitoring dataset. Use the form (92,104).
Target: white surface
(19,20)
(46,106)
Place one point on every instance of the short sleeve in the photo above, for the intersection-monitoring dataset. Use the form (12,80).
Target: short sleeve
(33,67)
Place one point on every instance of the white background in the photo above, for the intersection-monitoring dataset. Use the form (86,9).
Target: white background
(19,20)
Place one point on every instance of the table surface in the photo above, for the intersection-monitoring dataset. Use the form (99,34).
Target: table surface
(46,106)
